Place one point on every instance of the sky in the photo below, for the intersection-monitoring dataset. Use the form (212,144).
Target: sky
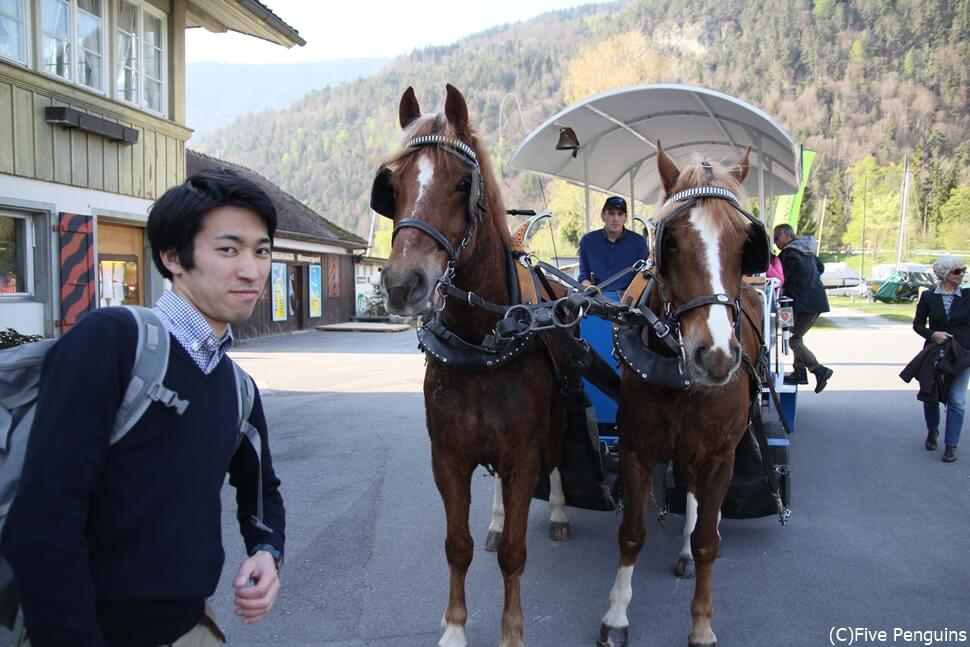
(366,28)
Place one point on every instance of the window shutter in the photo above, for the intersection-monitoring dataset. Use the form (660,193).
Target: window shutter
(78,280)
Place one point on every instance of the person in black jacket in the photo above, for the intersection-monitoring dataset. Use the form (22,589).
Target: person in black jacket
(120,545)
(803,284)
(942,315)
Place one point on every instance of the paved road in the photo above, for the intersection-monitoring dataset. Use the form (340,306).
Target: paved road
(879,536)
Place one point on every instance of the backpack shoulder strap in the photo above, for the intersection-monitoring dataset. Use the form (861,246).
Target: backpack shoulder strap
(245,398)
(147,373)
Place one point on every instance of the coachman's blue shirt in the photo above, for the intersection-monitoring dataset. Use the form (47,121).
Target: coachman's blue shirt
(599,259)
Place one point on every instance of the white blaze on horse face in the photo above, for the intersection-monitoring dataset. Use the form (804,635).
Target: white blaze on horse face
(620,597)
(425,175)
(718,322)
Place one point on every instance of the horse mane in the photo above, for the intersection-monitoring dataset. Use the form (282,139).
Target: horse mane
(694,174)
(437,124)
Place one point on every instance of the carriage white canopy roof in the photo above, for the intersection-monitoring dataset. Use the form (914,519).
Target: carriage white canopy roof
(618,131)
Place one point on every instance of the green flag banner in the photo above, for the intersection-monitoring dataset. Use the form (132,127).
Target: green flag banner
(788,206)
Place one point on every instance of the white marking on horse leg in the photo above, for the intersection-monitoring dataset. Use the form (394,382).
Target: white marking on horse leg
(498,508)
(702,633)
(620,597)
(690,521)
(718,322)
(454,635)
(557,500)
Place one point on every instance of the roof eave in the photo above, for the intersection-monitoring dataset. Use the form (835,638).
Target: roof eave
(248,17)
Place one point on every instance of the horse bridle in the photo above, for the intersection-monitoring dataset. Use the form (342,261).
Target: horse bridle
(382,199)
(754,255)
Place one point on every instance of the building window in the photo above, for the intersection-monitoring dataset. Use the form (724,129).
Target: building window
(72,36)
(140,43)
(15,255)
(13,30)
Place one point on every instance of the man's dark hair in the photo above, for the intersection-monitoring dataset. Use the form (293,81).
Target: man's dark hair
(176,218)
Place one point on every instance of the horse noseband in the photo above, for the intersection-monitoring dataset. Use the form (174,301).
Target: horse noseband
(382,194)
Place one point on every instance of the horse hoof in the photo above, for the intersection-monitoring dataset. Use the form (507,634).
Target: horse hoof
(492,541)
(685,568)
(693,644)
(605,641)
(559,530)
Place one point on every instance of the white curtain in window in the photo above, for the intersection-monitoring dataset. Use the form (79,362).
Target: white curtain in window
(12,30)
(153,62)
(57,35)
(127,43)
(90,21)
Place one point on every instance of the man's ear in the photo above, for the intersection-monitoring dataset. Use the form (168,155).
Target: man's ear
(170,259)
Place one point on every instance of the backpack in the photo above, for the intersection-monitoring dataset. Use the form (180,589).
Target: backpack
(20,371)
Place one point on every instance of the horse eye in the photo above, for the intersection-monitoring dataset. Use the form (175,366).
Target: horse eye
(670,244)
(465,185)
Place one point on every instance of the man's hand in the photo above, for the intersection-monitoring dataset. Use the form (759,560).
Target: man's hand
(941,337)
(257,585)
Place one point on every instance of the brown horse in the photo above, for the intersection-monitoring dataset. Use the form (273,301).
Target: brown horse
(701,251)
(450,225)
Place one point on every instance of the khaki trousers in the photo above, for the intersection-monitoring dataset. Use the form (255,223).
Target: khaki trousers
(205,634)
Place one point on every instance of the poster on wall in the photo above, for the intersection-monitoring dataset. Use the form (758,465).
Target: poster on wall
(316,291)
(279,291)
(333,276)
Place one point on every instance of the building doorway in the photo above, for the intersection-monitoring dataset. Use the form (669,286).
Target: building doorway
(121,265)
(296,304)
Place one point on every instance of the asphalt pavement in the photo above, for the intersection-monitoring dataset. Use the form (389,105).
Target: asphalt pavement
(878,538)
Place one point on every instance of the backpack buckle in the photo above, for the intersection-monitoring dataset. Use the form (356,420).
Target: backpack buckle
(169,398)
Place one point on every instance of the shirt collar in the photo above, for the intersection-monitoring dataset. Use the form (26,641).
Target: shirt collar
(189,324)
(618,238)
(939,290)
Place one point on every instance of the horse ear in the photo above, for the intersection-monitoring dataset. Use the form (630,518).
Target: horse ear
(409,109)
(456,110)
(667,168)
(741,167)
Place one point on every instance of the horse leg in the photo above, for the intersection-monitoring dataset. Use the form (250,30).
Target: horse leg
(705,544)
(453,478)
(637,473)
(559,529)
(518,485)
(497,522)
(558,521)
(685,563)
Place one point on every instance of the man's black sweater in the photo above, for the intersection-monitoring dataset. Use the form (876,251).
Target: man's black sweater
(120,545)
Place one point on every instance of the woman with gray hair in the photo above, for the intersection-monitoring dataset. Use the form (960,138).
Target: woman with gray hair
(943,318)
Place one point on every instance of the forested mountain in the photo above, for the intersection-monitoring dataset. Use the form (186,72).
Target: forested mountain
(863,82)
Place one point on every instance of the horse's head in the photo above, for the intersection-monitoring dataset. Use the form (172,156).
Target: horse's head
(703,245)
(433,190)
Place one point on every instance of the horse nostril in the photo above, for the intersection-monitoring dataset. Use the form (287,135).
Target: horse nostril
(416,287)
(698,355)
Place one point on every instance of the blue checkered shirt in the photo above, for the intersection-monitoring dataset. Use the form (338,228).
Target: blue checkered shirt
(192,331)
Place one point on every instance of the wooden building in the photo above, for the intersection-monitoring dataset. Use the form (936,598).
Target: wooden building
(92,130)
(312,279)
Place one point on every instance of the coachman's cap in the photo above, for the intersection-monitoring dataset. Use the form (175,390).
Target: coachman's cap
(615,202)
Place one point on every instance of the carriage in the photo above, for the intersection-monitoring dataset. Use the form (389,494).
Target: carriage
(604,143)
